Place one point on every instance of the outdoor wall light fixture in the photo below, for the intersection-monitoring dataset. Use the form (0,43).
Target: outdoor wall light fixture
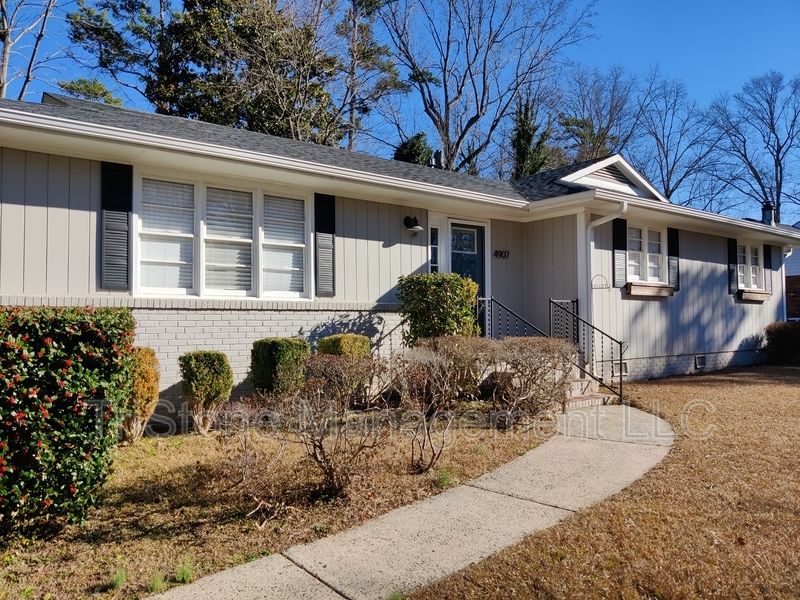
(412,225)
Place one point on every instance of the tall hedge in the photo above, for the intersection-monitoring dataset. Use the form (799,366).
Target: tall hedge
(437,304)
(64,372)
(783,342)
(277,364)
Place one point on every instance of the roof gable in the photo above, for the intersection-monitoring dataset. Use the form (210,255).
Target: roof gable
(615,174)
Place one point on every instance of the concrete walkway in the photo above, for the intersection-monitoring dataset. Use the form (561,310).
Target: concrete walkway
(598,452)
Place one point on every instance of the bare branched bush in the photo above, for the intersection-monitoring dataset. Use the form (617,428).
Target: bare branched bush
(321,416)
(425,381)
(529,376)
(470,360)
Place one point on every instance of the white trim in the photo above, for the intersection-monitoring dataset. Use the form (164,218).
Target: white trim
(645,253)
(584,267)
(119,135)
(627,170)
(487,242)
(200,236)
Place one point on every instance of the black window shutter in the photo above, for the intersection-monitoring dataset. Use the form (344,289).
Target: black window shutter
(673,258)
(324,236)
(733,267)
(620,245)
(768,268)
(116,198)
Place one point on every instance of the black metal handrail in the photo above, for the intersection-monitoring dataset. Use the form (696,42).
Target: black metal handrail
(600,352)
(489,313)
(497,320)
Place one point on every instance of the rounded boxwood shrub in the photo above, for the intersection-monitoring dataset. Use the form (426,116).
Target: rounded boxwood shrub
(143,399)
(344,344)
(207,381)
(64,373)
(277,364)
(437,304)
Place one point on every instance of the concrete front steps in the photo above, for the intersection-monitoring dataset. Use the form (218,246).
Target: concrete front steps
(585,392)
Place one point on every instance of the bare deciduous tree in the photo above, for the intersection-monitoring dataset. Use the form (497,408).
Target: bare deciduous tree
(601,112)
(469,59)
(678,152)
(759,129)
(23,27)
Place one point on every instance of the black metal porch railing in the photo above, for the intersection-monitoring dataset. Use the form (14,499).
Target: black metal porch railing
(600,354)
(497,321)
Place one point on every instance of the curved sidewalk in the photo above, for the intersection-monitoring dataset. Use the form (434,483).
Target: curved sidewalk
(598,452)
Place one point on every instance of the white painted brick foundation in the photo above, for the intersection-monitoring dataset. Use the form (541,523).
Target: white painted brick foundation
(175,326)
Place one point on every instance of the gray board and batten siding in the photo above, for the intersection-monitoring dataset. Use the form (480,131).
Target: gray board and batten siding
(701,319)
(50,240)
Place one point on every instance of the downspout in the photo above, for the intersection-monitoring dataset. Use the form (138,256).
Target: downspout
(785,290)
(623,208)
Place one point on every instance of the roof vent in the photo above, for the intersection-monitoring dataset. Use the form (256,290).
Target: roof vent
(437,160)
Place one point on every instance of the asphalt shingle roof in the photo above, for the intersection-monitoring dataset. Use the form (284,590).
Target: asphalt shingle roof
(546,185)
(85,111)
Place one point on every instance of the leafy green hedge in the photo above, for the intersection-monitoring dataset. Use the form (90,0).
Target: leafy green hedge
(277,364)
(207,381)
(64,372)
(783,342)
(344,344)
(437,304)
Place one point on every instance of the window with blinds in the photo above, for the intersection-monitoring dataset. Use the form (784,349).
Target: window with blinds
(167,235)
(284,245)
(229,240)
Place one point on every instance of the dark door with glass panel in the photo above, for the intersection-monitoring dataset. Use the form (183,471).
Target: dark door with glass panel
(466,253)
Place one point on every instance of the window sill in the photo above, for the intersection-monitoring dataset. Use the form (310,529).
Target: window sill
(753,295)
(650,290)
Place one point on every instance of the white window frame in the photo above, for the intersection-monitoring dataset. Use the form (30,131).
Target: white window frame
(435,267)
(645,254)
(745,269)
(139,231)
(199,289)
(307,246)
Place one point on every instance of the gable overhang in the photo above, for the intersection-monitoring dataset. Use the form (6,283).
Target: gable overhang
(691,219)
(645,188)
(54,135)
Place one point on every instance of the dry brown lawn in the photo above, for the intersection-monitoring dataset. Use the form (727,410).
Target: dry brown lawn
(718,518)
(173,500)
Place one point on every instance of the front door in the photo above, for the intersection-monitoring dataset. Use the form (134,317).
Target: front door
(467,255)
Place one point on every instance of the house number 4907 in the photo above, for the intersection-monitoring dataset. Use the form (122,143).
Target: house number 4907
(501,253)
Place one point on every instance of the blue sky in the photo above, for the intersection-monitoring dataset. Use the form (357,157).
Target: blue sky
(713,46)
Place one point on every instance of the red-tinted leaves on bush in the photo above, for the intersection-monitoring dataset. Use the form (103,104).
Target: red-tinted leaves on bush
(63,374)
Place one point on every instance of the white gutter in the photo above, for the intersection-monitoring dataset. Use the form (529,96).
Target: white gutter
(103,132)
(623,208)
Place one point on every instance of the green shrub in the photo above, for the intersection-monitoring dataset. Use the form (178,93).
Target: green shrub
(141,403)
(344,344)
(437,304)
(207,381)
(277,364)
(64,373)
(783,342)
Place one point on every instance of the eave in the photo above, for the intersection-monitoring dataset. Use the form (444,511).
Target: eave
(47,134)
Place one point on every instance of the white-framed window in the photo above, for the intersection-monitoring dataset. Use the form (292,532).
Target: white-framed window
(749,267)
(284,246)
(434,249)
(213,240)
(228,241)
(646,254)
(167,236)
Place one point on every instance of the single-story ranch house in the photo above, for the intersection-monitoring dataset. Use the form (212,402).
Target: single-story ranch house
(217,237)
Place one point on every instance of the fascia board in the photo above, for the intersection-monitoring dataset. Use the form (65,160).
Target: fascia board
(701,221)
(125,136)
(626,168)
